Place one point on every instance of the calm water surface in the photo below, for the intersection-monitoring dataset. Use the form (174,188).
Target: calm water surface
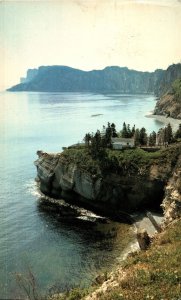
(59,252)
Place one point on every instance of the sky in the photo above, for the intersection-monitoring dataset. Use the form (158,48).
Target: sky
(88,34)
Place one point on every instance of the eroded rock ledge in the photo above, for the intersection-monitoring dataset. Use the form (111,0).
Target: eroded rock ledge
(109,193)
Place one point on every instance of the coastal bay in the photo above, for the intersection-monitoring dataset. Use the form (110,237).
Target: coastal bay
(29,236)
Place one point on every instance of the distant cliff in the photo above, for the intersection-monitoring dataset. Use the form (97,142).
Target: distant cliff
(110,79)
(170,103)
(31,73)
(164,83)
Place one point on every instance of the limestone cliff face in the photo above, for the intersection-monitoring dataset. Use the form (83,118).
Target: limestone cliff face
(110,79)
(71,179)
(66,180)
(169,90)
(165,81)
(172,199)
(168,105)
(105,192)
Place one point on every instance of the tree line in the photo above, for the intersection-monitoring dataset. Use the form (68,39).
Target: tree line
(99,141)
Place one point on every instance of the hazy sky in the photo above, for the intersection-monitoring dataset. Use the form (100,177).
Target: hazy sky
(88,34)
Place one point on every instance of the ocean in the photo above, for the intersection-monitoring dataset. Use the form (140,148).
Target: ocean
(61,253)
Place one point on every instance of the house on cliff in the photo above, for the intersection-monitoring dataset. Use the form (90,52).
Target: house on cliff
(121,143)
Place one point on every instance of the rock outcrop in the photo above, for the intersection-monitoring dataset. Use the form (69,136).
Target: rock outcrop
(143,239)
(110,79)
(170,103)
(107,193)
(168,106)
(172,200)
(164,82)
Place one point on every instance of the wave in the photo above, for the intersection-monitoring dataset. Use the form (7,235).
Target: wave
(32,188)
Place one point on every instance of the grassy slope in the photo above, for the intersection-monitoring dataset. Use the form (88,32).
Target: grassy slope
(151,274)
(155,273)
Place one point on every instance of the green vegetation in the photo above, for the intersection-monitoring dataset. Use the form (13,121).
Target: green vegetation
(98,143)
(129,159)
(113,160)
(176,86)
(153,274)
(97,155)
(165,135)
(126,132)
(74,294)
(82,158)
(117,161)
(156,272)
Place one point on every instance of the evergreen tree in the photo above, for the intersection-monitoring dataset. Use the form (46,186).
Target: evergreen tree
(108,135)
(162,136)
(129,133)
(103,132)
(133,131)
(143,136)
(96,144)
(137,137)
(167,135)
(124,133)
(152,139)
(87,139)
(113,130)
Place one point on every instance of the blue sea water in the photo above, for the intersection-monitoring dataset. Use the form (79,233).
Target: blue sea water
(60,253)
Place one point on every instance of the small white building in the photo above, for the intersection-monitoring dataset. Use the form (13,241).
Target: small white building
(121,143)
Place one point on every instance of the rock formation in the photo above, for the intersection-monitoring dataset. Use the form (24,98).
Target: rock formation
(109,193)
(143,239)
(110,79)
(172,200)
(164,82)
(170,103)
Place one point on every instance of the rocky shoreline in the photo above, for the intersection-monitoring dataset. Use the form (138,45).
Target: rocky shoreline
(60,175)
(106,284)
(164,120)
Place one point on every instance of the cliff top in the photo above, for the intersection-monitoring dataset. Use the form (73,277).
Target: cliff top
(135,160)
(111,78)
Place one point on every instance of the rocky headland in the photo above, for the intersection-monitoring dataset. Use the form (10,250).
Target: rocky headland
(110,79)
(132,180)
(165,84)
(142,180)
(126,181)
(117,185)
